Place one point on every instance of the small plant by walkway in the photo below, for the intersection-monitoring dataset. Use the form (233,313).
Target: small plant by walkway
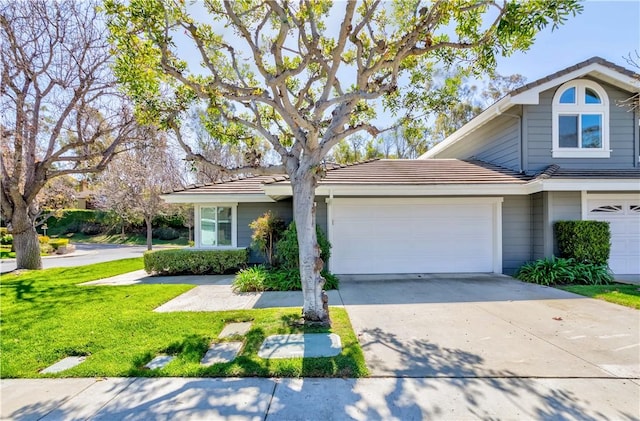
(622,294)
(47,316)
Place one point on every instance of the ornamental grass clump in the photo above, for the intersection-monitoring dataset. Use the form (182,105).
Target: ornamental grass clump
(561,271)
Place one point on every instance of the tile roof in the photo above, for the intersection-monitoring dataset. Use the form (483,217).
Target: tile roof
(418,172)
(421,172)
(239,185)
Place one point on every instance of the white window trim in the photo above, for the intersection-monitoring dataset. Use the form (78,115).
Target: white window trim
(198,226)
(580,108)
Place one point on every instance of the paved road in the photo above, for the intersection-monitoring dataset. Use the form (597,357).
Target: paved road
(85,254)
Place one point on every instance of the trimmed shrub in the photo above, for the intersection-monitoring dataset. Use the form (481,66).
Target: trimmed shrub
(563,271)
(58,242)
(43,239)
(194,262)
(287,248)
(584,241)
(165,233)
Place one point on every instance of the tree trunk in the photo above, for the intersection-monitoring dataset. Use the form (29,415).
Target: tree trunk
(304,215)
(25,240)
(147,220)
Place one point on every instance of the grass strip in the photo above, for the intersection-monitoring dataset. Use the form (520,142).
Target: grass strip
(47,316)
(622,294)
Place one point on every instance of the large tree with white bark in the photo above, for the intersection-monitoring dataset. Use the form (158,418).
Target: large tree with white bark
(61,113)
(304,75)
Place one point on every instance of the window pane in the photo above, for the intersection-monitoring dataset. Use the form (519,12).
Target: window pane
(591,131)
(224,226)
(568,96)
(208,226)
(568,131)
(591,97)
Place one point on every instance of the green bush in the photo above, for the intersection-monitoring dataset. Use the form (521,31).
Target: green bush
(194,262)
(259,278)
(56,243)
(584,241)
(6,239)
(87,221)
(554,271)
(172,221)
(287,248)
(166,233)
(251,279)
(267,231)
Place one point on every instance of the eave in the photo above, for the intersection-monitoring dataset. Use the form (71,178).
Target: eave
(215,198)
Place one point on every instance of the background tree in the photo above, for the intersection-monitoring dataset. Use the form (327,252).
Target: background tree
(305,75)
(60,111)
(414,138)
(134,180)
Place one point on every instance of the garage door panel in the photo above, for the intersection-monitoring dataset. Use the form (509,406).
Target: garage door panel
(412,238)
(624,224)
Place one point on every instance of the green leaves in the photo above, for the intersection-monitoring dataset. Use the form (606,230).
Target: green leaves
(554,271)
(292,70)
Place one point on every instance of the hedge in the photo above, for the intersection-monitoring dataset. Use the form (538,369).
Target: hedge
(194,262)
(584,241)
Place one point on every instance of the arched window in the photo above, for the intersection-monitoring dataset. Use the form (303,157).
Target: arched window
(580,121)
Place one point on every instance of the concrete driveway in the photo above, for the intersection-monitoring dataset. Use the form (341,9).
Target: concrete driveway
(487,326)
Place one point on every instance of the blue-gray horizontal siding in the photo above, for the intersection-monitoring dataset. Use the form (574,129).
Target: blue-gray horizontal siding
(516,232)
(497,142)
(537,225)
(249,212)
(622,133)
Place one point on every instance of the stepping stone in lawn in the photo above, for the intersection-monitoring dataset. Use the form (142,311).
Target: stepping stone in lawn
(233,329)
(63,364)
(299,345)
(221,353)
(159,362)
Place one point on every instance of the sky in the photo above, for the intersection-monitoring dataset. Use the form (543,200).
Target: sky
(608,29)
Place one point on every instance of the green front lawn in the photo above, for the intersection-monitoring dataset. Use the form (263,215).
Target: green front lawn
(622,294)
(46,316)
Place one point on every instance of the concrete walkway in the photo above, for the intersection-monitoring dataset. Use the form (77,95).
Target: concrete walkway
(438,347)
(318,399)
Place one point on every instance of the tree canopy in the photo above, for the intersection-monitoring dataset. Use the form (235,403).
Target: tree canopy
(304,75)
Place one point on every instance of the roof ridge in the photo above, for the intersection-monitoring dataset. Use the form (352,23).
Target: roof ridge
(584,63)
(547,172)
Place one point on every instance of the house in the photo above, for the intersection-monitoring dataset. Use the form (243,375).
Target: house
(483,200)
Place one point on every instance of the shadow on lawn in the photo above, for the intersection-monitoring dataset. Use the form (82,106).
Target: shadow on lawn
(462,389)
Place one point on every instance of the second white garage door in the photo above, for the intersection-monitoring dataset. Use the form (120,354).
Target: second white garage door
(377,236)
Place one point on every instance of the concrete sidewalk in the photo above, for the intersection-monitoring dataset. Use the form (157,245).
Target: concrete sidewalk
(318,399)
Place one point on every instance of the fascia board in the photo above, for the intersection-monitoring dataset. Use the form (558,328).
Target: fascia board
(215,198)
(408,190)
(569,184)
(532,96)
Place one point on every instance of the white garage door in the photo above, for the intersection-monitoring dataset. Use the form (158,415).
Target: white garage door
(371,236)
(623,215)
